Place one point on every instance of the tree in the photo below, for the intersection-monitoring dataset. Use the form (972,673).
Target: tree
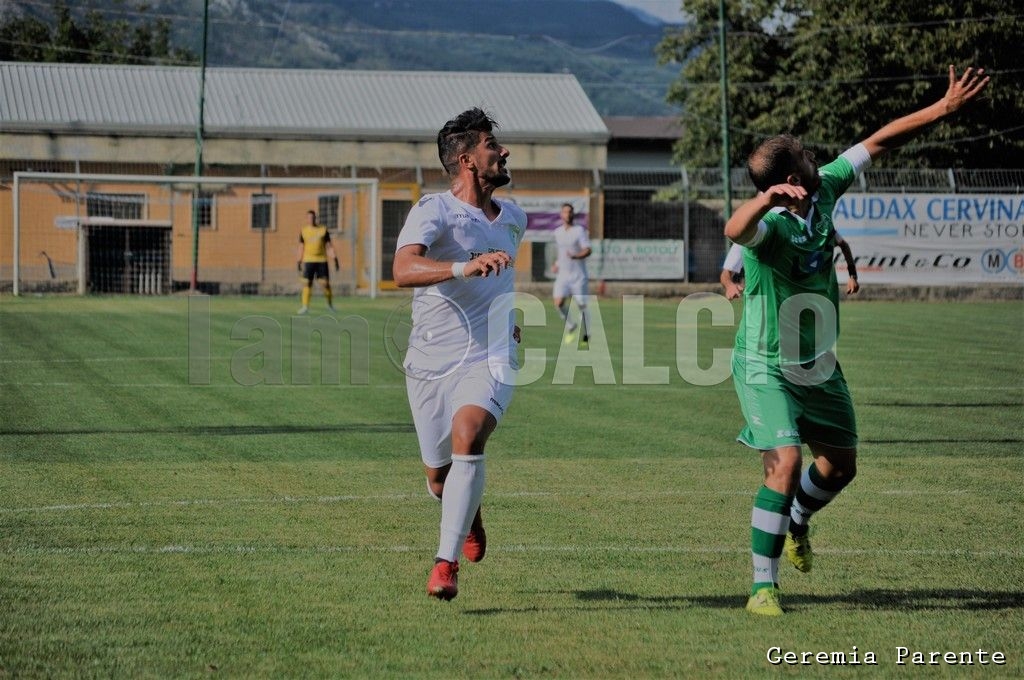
(23,39)
(832,73)
(92,39)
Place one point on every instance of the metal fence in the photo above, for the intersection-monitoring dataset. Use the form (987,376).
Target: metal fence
(634,203)
(687,204)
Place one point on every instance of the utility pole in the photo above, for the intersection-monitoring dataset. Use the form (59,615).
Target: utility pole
(726,142)
(194,283)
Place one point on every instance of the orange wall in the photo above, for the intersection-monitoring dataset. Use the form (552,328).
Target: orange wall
(231,250)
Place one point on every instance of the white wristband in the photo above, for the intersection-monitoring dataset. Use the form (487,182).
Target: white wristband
(459,270)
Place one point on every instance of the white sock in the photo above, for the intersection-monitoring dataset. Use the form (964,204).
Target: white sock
(585,320)
(463,491)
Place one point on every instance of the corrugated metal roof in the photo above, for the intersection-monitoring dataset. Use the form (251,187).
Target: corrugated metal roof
(636,127)
(289,102)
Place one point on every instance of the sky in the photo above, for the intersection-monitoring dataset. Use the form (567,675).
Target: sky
(666,10)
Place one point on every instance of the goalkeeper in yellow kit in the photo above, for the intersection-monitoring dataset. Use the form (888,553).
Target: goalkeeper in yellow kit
(314,249)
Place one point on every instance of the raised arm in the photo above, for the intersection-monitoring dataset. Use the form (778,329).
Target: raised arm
(902,130)
(742,226)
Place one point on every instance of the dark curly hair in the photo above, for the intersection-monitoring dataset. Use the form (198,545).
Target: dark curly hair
(460,135)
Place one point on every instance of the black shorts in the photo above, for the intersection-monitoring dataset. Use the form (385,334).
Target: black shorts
(315,270)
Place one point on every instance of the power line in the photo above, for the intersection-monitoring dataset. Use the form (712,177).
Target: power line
(804,33)
(907,147)
(280,27)
(156,61)
(910,78)
(583,82)
(360,30)
(567,48)
(837,27)
(580,52)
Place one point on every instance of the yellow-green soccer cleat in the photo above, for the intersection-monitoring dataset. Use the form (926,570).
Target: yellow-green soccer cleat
(765,602)
(570,338)
(798,551)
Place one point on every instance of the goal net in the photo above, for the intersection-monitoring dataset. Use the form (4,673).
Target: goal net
(147,235)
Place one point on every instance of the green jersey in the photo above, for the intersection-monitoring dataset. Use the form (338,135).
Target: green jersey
(790,282)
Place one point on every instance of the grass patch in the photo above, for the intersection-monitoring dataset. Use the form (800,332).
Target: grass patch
(152,525)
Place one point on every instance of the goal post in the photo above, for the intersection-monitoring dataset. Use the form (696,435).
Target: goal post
(133,234)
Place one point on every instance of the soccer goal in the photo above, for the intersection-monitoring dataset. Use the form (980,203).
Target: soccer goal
(154,235)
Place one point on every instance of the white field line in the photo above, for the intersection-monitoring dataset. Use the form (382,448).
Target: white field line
(274,500)
(551,355)
(725,385)
(331,500)
(178,549)
(391,386)
(82,360)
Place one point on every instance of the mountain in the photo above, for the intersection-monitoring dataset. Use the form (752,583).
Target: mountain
(608,47)
(648,17)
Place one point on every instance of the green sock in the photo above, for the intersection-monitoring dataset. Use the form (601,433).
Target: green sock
(768,524)
(814,493)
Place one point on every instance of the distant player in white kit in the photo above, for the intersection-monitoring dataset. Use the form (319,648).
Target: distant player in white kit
(571,273)
(457,249)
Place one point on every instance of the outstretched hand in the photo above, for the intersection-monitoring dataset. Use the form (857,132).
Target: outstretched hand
(965,88)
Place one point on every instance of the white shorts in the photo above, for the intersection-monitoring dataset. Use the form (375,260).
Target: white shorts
(564,288)
(434,402)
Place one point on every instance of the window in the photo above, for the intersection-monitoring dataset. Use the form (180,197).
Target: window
(118,206)
(263,212)
(393,213)
(327,210)
(204,210)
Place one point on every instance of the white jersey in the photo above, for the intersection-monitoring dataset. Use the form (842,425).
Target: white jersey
(734,259)
(450,319)
(571,241)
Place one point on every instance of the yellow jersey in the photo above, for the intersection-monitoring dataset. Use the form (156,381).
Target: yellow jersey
(314,241)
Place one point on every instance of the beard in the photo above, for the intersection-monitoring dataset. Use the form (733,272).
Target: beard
(499,178)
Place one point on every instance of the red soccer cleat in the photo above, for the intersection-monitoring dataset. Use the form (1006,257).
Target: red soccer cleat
(444,580)
(475,546)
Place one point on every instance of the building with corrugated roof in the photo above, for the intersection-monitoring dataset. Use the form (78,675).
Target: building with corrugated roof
(374,119)
(129,120)
(642,142)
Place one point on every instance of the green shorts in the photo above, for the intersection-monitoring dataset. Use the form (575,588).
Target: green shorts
(781,413)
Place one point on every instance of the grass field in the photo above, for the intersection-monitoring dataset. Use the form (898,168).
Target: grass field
(162,516)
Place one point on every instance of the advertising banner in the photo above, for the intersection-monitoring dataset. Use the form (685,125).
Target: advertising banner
(637,260)
(544,214)
(933,239)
